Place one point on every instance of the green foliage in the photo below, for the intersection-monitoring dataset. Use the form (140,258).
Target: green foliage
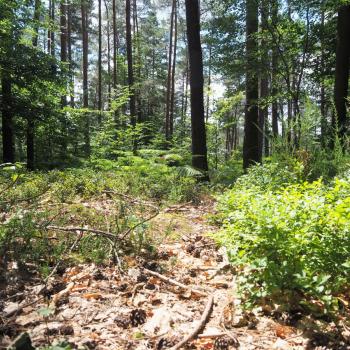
(30,202)
(285,235)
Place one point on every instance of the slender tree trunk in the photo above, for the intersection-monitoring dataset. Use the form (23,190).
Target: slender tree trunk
(52,39)
(63,25)
(168,88)
(130,63)
(30,133)
(274,109)
(199,145)
(108,55)
(264,84)
(172,98)
(70,58)
(36,19)
(114,29)
(49,30)
(85,75)
(8,148)
(99,60)
(251,145)
(342,70)
(322,89)
(209,86)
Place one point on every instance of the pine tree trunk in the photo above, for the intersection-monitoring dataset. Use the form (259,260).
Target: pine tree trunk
(130,63)
(8,149)
(108,55)
(209,86)
(251,146)
(342,71)
(274,63)
(99,60)
(264,84)
(85,75)
(70,58)
(115,52)
(172,98)
(168,88)
(63,25)
(199,146)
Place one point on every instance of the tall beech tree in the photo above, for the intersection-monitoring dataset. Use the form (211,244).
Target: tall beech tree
(341,85)
(199,145)
(252,152)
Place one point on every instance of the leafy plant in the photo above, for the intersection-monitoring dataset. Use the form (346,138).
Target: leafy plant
(288,237)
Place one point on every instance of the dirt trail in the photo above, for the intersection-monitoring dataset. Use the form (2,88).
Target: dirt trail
(124,307)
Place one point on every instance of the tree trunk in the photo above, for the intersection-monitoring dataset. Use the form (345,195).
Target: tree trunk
(342,70)
(114,29)
(8,148)
(70,59)
(172,98)
(30,133)
(322,89)
(36,19)
(168,89)
(130,63)
(264,84)
(251,146)
(52,32)
(108,55)
(63,25)
(85,74)
(199,146)
(209,85)
(99,60)
(274,109)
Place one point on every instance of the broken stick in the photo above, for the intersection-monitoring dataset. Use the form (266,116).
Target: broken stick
(199,327)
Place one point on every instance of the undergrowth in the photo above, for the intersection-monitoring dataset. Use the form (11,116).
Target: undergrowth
(116,197)
(289,239)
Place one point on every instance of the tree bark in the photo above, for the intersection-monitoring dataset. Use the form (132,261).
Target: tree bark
(264,84)
(115,52)
(63,25)
(251,146)
(199,146)
(99,60)
(168,88)
(8,149)
(342,70)
(130,63)
(108,55)
(70,58)
(172,98)
(85,75)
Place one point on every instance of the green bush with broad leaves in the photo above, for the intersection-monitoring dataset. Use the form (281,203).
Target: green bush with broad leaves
(288,236)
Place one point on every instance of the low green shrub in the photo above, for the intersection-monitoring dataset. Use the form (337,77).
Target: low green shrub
(287,237)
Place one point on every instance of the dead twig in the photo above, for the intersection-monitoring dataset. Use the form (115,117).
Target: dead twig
(174,282)
(81,229)
(199,327)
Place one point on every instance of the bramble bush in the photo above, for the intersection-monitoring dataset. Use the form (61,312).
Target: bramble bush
(285,235)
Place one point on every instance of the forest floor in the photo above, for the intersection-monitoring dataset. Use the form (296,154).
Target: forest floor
(140,304)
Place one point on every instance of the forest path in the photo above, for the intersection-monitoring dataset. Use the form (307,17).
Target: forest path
(104,307)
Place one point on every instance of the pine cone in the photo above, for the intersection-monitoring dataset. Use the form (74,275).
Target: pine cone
(137,317)
(122,322)
(224,343)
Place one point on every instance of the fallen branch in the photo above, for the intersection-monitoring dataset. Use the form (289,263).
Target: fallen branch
(82,229)
(199,327)
(174,282)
